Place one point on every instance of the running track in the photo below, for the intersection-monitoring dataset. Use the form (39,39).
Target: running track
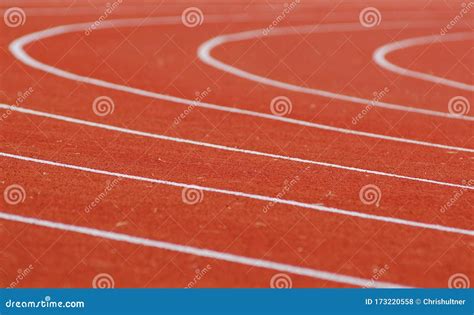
(189,110)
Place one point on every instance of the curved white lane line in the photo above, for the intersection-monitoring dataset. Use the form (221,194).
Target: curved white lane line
(380,57)
(201,252)
(205,55)
(316,207)
(222,147)
(17,47)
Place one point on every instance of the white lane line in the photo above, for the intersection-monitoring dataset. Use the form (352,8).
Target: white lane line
(365,216)
(380,57)
(222,147)
(17,48)
(205,55)
(201,252)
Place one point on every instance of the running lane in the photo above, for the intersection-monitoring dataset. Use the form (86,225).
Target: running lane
(163,59)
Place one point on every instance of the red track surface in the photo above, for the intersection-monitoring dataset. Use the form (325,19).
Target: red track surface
(163,59)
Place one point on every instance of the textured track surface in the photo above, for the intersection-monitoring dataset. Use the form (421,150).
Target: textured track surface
(163,168)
